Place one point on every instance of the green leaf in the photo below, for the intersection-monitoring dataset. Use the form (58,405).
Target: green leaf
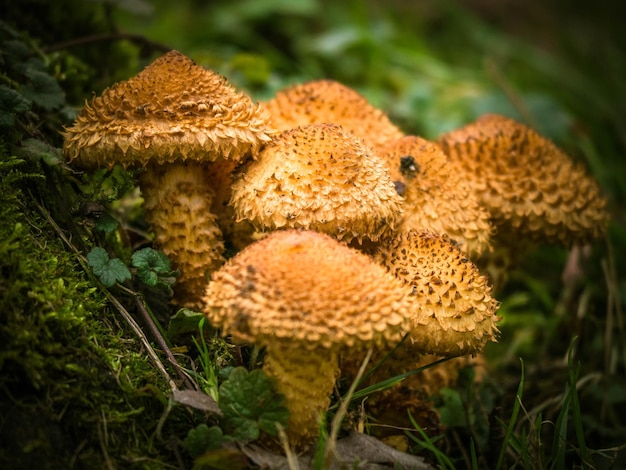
(109,271)
(452,411)
(184,321)
(11,104)
(251,404)
(36,150)
(43,89)
(106,223)
(150,264)
(203,438)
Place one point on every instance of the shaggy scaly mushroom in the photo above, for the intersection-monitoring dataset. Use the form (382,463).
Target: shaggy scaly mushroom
(306,296)
(437,198)
(318,177)
(454,312)
(533,190)
(322,101)
(526,182)
(172,118)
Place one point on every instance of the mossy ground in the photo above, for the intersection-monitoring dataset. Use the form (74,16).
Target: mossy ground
(77,390)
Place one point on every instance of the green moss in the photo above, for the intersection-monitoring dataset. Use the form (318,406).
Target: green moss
(75,387)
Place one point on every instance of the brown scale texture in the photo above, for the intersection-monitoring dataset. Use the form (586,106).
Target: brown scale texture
(456,314)
(437,198)
(322,101)
(177,204)
(526,182)
(314,293)
(173,110)
(318,177)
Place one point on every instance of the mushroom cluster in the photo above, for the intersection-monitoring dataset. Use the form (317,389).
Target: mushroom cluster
(348,234)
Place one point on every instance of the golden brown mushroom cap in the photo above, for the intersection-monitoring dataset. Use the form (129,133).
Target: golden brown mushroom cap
(307,288)
(173,110)
(526,182)
(330,101)
(456,313)
(304,296)
(437,198)
(318,177)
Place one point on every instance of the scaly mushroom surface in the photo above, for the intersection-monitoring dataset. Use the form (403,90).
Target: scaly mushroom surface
(529,185)
(172,119)
(306,296)
(320,101)
(454,312)
(318,177)
(437,198)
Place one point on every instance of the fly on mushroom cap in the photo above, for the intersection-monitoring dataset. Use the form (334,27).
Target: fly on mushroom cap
(455,312)
(330,101)
(437,198)
(305,296)
(318,177)
(526,182)
(173,118)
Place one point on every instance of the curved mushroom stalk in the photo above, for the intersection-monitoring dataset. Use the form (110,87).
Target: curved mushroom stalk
(177,206)
(306,378)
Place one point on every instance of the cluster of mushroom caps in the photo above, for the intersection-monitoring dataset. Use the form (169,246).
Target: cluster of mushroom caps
(348,233)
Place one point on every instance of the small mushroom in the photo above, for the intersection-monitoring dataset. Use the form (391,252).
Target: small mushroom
(321,101)
(529,185)
(318,177)
(172,119)
(305,297)
(454,312)
(437,198)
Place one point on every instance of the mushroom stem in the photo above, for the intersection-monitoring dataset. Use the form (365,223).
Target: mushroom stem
(177,206)
(306,378)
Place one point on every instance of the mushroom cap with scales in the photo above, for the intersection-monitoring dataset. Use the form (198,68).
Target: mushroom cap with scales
(528,184)
(318,177)
(305,296)
(174,110)
(437,198)
(321,101)
(454,311)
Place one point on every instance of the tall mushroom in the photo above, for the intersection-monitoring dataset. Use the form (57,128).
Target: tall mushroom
(305,296)
(454,313)
(318,177)
(527,183)
(437,198)
(321,101)
(172,119)
(532,189)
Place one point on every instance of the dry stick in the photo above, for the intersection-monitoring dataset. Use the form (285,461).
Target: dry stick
(136,38)
(156,333)
(116,303)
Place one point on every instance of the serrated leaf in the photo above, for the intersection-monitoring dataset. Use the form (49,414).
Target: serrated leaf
(109,271)
(150,264)
(11,103)
(106,223)
(43,89)
(203,438)
(251,404)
